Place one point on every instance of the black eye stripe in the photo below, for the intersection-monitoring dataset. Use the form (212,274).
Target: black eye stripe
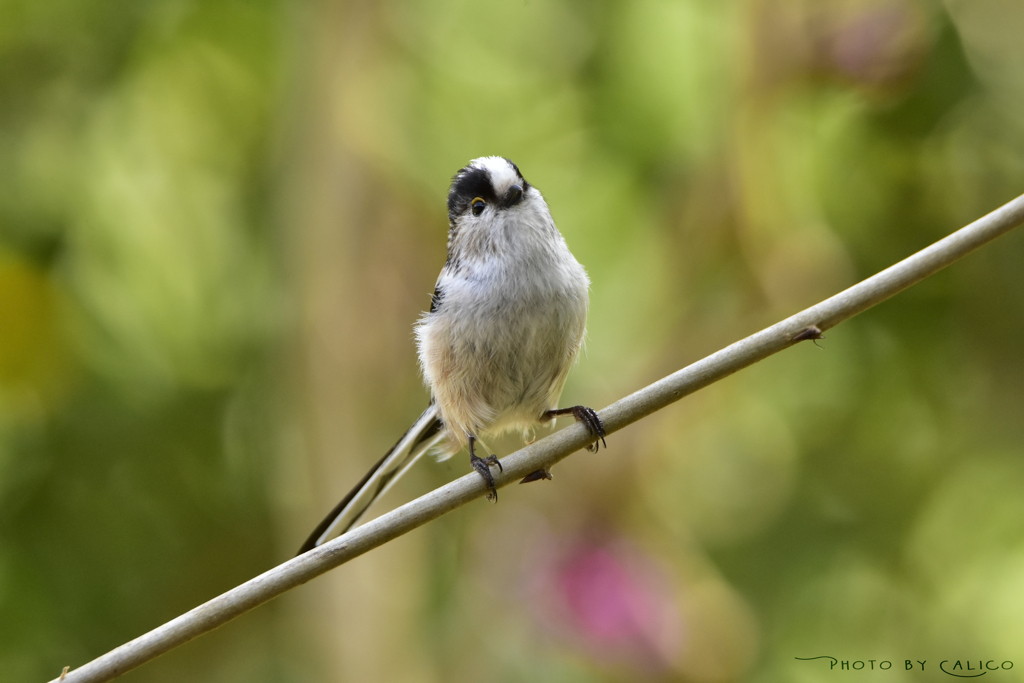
(471,182)
(468,184)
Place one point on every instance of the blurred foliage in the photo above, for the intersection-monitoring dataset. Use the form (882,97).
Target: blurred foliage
(219,220)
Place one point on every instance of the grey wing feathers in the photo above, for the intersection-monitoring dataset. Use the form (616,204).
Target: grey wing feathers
(414,443)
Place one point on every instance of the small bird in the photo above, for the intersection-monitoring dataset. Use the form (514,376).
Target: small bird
(505,325)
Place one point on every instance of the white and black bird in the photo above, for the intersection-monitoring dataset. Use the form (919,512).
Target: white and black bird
(505,325)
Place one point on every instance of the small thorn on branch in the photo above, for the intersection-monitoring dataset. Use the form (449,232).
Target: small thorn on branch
(537,475)
(812,332)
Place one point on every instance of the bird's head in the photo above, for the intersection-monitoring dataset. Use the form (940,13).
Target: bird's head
(486,187)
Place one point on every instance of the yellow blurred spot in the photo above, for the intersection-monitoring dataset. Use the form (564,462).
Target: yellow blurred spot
(34,364)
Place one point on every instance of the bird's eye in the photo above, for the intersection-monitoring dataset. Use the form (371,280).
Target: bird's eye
(478,206)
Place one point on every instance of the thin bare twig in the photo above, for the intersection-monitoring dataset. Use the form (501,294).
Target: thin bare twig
(808,324)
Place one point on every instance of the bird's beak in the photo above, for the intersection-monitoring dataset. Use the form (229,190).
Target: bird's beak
(513,196)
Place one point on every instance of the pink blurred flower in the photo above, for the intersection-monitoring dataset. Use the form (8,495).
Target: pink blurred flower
(610,600)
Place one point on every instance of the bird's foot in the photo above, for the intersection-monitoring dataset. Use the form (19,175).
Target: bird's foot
(588,416)
(483,468)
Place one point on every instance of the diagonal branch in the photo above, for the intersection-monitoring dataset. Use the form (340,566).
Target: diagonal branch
(550,450)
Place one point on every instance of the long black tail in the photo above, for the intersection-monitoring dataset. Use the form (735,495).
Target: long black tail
(415,442)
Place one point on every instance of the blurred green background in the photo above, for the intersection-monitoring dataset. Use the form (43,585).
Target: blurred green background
(219,220)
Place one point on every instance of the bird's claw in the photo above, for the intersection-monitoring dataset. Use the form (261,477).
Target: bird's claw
(483,468)
(588,416)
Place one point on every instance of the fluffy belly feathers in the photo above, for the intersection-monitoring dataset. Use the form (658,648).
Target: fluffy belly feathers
(499,369)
